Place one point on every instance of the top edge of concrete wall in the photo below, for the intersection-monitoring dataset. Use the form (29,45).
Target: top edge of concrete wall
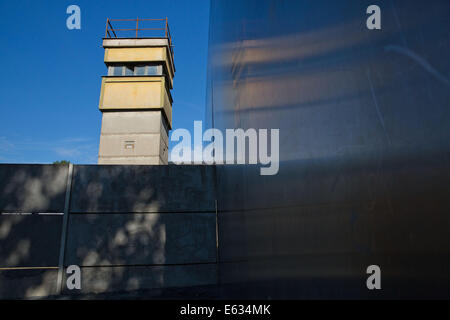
(142,188)
(35,188)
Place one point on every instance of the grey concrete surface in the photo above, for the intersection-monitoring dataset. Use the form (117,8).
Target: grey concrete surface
(29,240)
(32,188)
(146,132)
(27,284)
(131,228)
(121,279)
(115,188)
(141,239)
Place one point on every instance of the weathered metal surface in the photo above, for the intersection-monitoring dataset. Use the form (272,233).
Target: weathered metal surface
(364,146)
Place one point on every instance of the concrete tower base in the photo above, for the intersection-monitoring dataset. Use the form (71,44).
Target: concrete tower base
(141,135)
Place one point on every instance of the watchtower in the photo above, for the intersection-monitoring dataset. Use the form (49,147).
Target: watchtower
(135,98)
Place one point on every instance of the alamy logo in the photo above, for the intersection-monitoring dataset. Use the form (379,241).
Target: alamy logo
(234,144)
(374,20)
(74,20)
(374,280)
(74,277)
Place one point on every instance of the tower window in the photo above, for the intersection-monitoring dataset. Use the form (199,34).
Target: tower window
(140,70)
(154,70)
(129,70)
(115,71)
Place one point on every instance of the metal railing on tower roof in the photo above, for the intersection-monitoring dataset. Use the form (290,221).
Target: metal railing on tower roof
(144,28)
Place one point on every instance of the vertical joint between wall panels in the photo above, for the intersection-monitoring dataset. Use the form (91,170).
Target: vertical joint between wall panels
(65,223)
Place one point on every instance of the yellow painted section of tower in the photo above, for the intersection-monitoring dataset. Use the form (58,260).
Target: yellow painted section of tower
(122,93)
(134,54)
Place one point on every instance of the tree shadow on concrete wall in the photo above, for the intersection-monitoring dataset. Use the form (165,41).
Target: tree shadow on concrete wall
(125,232)
(29,240)
(135,228)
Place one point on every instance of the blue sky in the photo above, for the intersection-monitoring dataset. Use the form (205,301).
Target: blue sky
(50,84)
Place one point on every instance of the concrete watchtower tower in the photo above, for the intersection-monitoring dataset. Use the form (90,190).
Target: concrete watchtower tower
(135,98)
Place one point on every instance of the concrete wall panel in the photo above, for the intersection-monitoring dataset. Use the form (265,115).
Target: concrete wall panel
(171,188)
(114,279)
(32,188)
(29,240)
(28,284)
(131,228)
(141,239)
(139,145)
(131,122)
